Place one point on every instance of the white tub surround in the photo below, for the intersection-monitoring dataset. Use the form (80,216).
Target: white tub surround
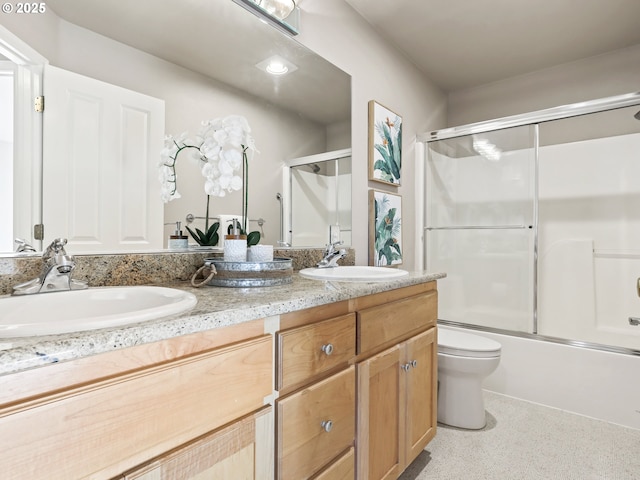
(580,380)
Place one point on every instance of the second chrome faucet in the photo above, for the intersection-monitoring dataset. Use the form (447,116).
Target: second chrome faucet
(56,272)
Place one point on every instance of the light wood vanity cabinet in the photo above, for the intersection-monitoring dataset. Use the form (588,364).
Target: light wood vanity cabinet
(354,397)
(397,380)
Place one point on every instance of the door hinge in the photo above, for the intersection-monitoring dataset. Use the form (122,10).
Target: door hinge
(38,104)
(38,231)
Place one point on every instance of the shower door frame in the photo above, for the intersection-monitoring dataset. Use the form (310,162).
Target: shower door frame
(286,207)
(527,119)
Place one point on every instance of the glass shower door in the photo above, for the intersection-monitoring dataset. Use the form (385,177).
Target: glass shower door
(480,227)
(589,228)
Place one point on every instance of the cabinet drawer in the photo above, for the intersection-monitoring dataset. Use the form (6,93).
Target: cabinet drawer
(305,441)
(341,469)
(307,351)
(395,320)
(102,429)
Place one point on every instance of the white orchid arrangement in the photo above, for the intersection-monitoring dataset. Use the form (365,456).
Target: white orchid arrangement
(221,149)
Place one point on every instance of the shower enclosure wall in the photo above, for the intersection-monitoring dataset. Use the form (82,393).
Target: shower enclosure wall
(536,220)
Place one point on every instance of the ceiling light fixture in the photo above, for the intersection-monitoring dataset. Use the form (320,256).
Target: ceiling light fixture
(281,14)
(277,68)
(276,65)
(278,8)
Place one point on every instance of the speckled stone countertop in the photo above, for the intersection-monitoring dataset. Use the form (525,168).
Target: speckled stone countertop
(217,307)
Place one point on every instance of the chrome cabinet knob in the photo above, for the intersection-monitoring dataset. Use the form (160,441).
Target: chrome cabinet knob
(406,367)
(327,425)
(414,363)
(328,348)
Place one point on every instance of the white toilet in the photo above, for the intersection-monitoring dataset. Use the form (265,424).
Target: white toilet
(464,361)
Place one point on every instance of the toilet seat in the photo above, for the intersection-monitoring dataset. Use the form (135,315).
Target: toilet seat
(452,342)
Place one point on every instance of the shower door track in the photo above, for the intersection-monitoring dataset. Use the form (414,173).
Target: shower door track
(482,227)
(546,338)
(540,116)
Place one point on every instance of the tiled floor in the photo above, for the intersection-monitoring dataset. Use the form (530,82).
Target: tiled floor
(527,441)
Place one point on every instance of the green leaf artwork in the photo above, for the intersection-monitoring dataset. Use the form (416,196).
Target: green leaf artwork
(385,144)
(387,228)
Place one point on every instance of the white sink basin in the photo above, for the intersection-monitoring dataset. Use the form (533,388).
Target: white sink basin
(353,273)
(90,309)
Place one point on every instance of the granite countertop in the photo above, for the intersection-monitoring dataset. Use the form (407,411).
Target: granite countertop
(217,307)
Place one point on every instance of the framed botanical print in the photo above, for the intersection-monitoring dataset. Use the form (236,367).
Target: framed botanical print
(385,144)
(385,228)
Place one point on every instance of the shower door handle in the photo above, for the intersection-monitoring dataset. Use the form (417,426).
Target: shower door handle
(638,286)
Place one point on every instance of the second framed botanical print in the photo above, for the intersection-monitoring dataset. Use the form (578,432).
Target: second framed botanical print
(385,144)
(385,228)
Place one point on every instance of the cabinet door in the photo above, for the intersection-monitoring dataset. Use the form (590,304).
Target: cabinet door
(242,451)
(379,413)
(420,361)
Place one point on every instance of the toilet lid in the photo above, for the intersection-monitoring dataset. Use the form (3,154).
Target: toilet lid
(453,342)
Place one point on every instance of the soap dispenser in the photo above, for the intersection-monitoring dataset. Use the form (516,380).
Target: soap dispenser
(235,244)
(178,241)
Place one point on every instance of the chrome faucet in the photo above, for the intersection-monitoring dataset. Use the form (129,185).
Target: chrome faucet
(56,272)
(331,255)
(22,246)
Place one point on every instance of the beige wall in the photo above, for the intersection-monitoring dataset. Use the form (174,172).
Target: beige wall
(613,73)
(334,30)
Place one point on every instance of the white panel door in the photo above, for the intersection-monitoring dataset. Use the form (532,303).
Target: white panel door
(101,149)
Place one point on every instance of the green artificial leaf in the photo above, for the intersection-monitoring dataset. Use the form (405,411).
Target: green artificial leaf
(196,236)
(253,238)
(208,239)
(212,240)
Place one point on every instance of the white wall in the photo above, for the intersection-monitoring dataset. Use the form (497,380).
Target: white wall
(605,75)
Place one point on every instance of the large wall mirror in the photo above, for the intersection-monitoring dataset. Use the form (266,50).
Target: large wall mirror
(199,60)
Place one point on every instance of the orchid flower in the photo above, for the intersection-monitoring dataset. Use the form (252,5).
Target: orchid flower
(220,147)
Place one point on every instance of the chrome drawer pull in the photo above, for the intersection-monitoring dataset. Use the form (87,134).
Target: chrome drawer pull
(328,349)
(327,425)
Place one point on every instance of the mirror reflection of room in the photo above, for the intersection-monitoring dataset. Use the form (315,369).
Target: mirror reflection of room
(290,115)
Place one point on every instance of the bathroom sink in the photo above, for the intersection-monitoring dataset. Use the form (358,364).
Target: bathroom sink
(90,309)
(353,273)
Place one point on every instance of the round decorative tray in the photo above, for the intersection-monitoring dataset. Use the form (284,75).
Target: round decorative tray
(250,274)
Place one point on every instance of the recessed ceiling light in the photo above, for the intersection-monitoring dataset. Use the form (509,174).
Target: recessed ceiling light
(276,65)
